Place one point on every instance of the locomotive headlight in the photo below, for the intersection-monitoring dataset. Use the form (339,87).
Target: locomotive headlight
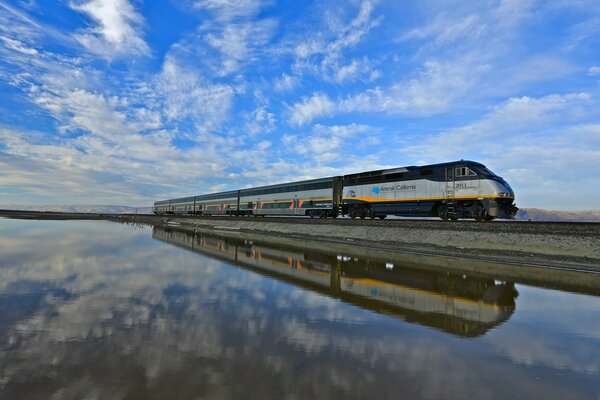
(503,194)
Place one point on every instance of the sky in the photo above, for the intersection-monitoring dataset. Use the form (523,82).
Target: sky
(131,101)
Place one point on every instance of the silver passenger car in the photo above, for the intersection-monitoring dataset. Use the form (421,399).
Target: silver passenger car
(224,203)
(315,198)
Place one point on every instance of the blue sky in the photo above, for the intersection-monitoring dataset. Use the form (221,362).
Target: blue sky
(129,101)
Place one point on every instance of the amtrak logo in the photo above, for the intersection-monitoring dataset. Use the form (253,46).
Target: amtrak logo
(351,193)
(375,190)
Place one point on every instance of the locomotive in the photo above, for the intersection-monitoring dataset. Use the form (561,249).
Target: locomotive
(453,190)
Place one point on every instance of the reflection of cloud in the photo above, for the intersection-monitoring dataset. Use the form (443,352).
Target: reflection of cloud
(553,348)
(123,314)
(554,351)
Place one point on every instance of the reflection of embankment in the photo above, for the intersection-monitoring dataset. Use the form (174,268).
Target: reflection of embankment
(455,303)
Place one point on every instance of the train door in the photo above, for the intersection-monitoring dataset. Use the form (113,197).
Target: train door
(337,195)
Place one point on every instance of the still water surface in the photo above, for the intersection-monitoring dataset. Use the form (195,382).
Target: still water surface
(99,310)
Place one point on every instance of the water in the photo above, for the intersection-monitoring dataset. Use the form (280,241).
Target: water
(99,310)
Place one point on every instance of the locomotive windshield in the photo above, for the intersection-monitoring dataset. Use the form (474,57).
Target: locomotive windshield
(484,171)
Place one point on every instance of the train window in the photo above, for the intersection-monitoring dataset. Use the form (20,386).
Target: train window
(486,171)
(464,171)
(394,177)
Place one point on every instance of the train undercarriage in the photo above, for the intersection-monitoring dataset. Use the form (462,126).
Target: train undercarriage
(480,210)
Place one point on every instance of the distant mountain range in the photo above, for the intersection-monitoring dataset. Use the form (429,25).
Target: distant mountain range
(538,214)
(524,214)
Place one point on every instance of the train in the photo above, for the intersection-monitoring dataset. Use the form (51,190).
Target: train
(462,305)
(450,191)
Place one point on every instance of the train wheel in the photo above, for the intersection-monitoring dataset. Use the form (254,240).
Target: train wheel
(443,213)
(381,216)
(353,214)
(481,214)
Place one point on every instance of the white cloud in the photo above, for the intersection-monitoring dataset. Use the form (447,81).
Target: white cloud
(87,111)
(446,30)
(469,53)
(228,39)
(238,43)
(117,32)
(507,125)
(354,70)
(432,91)
(285,83)
(260,121)
(231,9)
(324,145)
(17,23)
(323,52)
(19,46)
(310,108)
(187,95)
(593,71)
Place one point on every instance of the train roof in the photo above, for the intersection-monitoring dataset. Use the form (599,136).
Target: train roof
(309,181)
(230,193)
(411,168)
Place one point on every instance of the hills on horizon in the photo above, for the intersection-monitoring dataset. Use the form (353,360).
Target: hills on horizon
(539,214)
(524,214)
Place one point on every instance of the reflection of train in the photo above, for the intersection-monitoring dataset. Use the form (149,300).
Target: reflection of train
(465,306)
(461,189)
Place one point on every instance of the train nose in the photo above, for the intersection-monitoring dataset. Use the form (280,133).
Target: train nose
(505,190)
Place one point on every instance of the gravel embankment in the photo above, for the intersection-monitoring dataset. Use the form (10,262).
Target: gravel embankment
(574,240)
